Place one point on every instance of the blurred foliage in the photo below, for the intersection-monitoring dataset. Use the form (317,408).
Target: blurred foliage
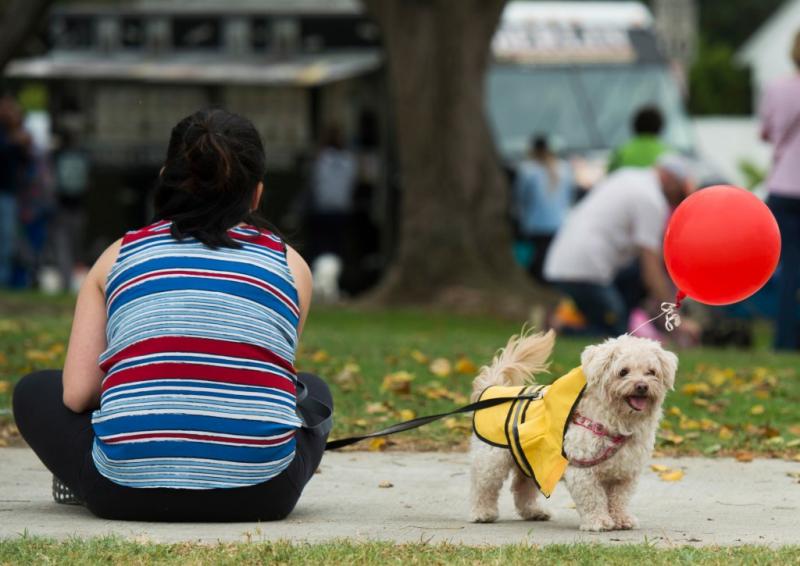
(753,173)
(718,84)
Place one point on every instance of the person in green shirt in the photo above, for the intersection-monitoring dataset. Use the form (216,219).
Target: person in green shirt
(645,147)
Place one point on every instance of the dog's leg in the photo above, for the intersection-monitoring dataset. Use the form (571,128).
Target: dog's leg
(590,500)
(619,495)
(488,471)
(525,497)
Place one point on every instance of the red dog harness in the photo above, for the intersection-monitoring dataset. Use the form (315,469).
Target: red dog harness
(599,430)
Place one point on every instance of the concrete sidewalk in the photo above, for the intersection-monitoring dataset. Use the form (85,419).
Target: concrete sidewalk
(718,502)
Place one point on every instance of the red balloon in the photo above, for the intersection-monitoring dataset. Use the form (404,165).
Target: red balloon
(722,244)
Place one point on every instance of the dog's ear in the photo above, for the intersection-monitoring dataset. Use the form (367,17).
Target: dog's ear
(669,365)
(596,360)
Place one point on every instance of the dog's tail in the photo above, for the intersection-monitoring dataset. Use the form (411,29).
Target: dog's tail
(523,356)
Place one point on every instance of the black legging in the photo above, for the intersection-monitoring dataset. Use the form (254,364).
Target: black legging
(63,441)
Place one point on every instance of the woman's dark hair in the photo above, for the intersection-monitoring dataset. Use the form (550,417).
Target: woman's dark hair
(648,120)
(215,160)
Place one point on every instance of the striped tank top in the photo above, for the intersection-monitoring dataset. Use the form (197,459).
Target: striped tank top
(199,386)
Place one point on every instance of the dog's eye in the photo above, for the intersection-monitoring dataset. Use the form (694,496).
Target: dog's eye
(623,372)
(651,372)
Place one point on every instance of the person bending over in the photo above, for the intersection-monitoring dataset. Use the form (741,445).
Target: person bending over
(607,256)
(177,401)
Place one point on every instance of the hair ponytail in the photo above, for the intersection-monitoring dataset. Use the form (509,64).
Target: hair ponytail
(215,161)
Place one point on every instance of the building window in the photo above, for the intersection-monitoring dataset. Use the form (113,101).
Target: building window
(196,33)
(73,32)
(133,33)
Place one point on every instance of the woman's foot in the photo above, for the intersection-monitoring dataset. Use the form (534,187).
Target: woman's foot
(64,495)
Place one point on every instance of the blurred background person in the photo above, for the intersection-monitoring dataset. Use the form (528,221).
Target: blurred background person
(72,174)
(543,194)
(646,146)
(780,126)
(333,183)
(607,256)
(35,203)
(15,145)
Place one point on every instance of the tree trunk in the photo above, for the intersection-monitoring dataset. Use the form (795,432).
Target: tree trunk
(455,242)
(21,19)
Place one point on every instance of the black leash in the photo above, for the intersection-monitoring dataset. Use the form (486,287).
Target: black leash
(421,421)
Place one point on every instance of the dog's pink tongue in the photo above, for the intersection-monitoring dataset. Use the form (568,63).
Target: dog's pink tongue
(638,403)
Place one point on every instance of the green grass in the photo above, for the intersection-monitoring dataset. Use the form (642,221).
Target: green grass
(725,400)
(118,551)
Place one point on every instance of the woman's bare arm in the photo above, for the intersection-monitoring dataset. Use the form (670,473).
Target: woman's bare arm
(302,280)
(82,375)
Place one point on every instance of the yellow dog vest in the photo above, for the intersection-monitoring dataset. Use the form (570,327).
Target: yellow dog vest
(532,428)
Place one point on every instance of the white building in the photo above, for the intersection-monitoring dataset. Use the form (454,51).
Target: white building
(767,50)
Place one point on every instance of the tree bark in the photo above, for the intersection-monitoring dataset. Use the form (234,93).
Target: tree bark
(455,242)
(21,18)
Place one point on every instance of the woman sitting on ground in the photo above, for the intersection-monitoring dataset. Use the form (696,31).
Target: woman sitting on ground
(190,414)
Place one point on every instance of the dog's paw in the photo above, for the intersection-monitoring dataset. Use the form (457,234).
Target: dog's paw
(625,522)
(535,514)
(597,523)
(483,516)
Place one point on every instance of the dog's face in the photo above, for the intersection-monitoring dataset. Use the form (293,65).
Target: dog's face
(631,374)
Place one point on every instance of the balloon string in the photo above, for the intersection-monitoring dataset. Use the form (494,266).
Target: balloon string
(672,319)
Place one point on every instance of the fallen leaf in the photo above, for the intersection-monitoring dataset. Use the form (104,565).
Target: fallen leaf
(385,484)
(5,386)
(398,382)
(761,394)
(744,456)
(794,475)
(38,356)
(349,378)
(795,430)
(320,356)
(671,475)
(375,408)
(725,433)
(419,357)
(440,367)
(360,422)
(407,414)
(700,402)
(658,467)
(675,411)
(3,359)
(713,449)
(466,366)
(377,444)
(757,410)
(793,443)
(697,388)
(775,441)
(672,438)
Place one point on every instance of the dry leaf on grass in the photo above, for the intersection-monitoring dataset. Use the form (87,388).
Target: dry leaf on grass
(377,444)
(697,388)
(466,366)
(744,456)
(440,367)
(406,414)
(5,387)
(419,357)
(320,356)
(398,382)
(757,410)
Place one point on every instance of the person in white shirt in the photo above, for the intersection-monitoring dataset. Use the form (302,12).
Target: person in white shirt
(618,228)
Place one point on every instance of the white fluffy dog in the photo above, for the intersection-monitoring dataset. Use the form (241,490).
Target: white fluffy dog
(325,274)
(627,379)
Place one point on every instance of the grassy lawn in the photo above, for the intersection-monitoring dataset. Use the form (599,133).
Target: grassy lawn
(117,551)
(384,366)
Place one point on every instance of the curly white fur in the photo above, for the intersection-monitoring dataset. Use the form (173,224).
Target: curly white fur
(615,371)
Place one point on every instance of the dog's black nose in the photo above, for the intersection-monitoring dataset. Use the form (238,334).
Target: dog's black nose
(641,389)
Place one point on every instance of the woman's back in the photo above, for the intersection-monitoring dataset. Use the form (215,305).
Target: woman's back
(200,381)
